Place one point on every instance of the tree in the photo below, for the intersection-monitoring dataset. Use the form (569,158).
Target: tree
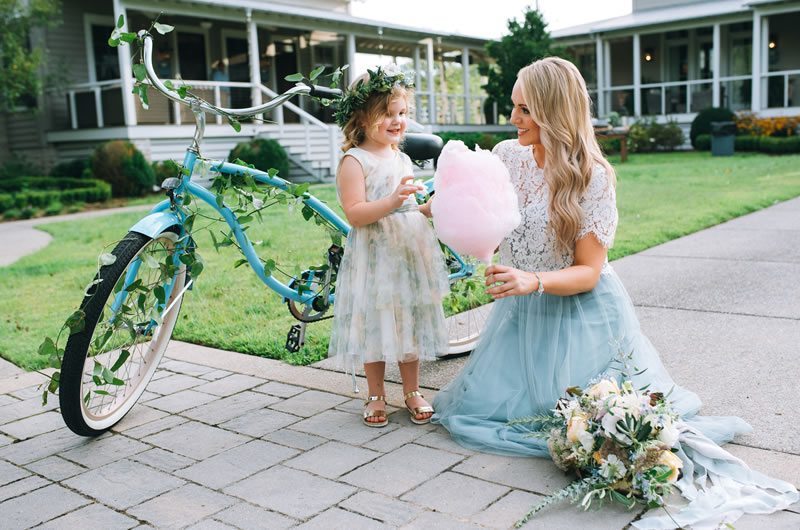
(526,42)
(20,61)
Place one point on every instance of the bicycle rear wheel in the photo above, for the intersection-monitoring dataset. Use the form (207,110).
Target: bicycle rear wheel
(130,315)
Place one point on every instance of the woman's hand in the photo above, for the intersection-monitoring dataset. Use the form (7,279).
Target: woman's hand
(404,190)
(426,208)
(507,281)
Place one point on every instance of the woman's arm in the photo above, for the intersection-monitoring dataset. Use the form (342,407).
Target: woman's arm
(580,277)
(353,194)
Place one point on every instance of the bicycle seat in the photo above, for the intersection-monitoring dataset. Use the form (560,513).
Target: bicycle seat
(422,146)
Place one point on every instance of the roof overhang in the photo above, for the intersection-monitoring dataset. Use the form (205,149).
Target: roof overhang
(275,14)
(652,18)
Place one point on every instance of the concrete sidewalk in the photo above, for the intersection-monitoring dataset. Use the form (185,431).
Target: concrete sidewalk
(225,440)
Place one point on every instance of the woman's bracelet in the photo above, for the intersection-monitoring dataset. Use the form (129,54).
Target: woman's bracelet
(540,289)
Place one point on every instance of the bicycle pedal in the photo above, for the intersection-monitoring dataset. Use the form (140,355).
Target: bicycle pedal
(295,338)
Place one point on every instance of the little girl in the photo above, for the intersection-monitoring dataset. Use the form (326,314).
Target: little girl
(392,277)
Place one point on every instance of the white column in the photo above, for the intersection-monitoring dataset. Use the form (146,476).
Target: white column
(599,64)
(637,76)
(253,55)
(351,58)
(431,83)
(755,104)
(607,76)
(125,70)
(465,67)
(417,81)
(764,47)
(715,64)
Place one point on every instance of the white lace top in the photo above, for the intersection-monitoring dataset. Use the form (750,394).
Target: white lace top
(532,245)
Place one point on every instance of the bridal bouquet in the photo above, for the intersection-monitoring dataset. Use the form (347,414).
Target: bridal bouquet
(618,440)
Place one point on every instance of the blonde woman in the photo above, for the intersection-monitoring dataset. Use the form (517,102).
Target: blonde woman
(561,317)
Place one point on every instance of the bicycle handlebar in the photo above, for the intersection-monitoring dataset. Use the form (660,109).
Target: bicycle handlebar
(301,88)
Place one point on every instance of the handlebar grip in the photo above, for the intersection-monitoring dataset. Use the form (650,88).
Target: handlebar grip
(324,92)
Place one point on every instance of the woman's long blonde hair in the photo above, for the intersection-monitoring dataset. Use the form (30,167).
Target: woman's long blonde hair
(371,113)
(556,96)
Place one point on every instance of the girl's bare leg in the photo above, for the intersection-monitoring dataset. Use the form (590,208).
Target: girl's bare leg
(375,373)
(409,372)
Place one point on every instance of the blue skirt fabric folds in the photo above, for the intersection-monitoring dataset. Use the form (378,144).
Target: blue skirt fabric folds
(534,348)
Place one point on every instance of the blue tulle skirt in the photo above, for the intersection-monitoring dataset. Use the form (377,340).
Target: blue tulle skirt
(534,348)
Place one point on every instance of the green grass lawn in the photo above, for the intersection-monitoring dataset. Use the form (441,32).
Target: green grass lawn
(660,197)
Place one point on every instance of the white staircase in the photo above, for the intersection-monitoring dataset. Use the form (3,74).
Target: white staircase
(313,152)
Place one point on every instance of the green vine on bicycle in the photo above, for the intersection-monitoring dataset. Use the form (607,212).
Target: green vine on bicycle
(245,199)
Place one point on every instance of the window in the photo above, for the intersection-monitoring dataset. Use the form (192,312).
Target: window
(106,60)
(192,62)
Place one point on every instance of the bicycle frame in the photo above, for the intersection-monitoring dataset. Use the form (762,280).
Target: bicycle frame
(164,216)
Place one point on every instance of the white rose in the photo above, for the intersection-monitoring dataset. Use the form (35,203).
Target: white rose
(671,460)
(603,389)
(669,434)
(626,404)
(576,426)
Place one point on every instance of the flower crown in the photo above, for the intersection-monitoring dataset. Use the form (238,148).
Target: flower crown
(380,81)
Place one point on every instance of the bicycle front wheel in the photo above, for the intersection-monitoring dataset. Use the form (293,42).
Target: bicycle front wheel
(130,313)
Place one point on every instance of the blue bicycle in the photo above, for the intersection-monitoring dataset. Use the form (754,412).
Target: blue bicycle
(131,308)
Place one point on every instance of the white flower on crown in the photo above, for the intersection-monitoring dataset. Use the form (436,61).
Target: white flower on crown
(391,69)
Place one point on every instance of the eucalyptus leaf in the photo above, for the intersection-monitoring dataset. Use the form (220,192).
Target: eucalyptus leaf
(123,356)
(106,259)
(315,73)
(76,321)
(139,71)
(294,77)
(163,28)
(120,21)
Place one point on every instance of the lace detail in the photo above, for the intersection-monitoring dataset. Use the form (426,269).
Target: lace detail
(532,245)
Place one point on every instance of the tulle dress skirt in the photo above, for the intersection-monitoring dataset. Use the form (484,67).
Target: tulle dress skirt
(389,293)
(535,347)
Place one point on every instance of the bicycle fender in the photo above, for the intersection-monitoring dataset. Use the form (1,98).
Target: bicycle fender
(155,223)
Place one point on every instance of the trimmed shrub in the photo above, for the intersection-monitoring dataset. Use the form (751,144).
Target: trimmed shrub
(648,135)
(264,154)
(78,168)
(609,145)
(703,142)
(16,166)
(471,139)
(702,122)
(41,192)
(54,208)
(780,146)
(166,169)
(747,143)
(119,163)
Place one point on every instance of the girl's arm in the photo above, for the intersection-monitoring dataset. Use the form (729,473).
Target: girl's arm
(353,194)
(580,277)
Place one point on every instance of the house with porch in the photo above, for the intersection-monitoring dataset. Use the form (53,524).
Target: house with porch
(670,60)
(235,53)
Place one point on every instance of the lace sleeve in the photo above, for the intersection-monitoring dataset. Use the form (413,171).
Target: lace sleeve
(599,205)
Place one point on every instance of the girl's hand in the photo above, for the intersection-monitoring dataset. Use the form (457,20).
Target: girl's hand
(404,190)
(506,281)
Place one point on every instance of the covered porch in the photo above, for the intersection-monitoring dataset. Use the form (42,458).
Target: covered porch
(745,59)
(239,56)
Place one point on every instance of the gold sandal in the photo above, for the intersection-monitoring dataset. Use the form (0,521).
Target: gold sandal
(417,410)
(374,413)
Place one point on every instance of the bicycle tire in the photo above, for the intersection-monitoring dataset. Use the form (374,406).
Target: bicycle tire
(75,410)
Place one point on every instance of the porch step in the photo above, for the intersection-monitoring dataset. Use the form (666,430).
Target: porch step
(308,148)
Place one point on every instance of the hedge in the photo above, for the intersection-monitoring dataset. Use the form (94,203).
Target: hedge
(471,139)
(774,145)
(40,192)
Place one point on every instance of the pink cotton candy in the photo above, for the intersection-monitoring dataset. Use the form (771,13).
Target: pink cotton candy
(475,206)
